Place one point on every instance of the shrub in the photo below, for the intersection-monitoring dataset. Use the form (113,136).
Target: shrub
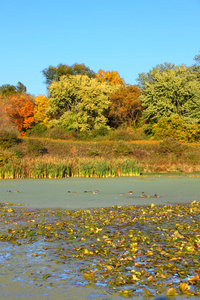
(35,147)
(5,158)
(58,134)
(93,152)
(193,132)
(38,130)
(121,148)
(171,145)
(8,138)
(119,134)
(17,153)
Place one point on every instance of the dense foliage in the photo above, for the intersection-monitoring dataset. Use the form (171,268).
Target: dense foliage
(165,103)
(170,90)
(79,102)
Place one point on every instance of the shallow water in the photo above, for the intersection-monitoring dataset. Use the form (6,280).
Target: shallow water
(59,193)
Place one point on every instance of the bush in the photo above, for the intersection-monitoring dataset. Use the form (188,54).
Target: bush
(35,147)
(122,148)
(38,130)
(171,145)
(17,153)
(5,158)
(127,134)
(8,138)
(193,132)
(93,152)
(58,134)
(119,134)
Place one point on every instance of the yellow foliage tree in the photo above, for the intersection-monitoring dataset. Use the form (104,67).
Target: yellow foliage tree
(111,78)
(41,105)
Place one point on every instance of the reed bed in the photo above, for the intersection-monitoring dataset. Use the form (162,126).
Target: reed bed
(56,168)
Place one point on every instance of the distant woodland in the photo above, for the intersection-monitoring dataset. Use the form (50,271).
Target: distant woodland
(83,105)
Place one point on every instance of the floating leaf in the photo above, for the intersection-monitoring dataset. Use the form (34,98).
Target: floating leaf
(147,293)
(194,279)
(184,287)
(171,292)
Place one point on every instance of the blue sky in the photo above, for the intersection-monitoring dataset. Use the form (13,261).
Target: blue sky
(129,36)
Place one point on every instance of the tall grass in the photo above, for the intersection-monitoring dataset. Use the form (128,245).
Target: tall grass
(56,168)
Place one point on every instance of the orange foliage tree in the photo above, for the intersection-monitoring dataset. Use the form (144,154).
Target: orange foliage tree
(125,106)
(21,111)
(112,78)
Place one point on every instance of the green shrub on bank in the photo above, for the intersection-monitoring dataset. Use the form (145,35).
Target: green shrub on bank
(38,130)
(122,149)
(8,138)
(171,146)
(176,127)
(58,134)
(35,147)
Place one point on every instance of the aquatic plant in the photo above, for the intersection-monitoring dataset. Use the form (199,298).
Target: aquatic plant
(135,251)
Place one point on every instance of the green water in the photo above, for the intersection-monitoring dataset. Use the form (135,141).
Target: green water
(54,193)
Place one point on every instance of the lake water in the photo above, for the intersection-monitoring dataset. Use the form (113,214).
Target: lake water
(21,275)
(70,193)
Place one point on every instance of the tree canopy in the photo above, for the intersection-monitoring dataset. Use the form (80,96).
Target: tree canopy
(79,102)
(55,73)
(112,77)
(21,111)
(167,90)
(40,108)
(125,106)
(7,89)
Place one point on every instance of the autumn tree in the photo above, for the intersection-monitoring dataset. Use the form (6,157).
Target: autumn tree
(125,106)
(4,118)
(55,73)
(21,111)
(111,78)
(79,103)
(41,106)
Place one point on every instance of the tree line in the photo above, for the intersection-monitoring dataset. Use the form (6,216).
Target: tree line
(165,102)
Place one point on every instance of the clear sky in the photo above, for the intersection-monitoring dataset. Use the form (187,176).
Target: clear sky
(128,36)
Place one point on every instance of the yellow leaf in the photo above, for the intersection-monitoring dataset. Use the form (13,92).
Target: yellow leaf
(109,268)
(184,287)
(150,278)
(194,279)
(86,251)
(134,278)
(147,292)
(171,292)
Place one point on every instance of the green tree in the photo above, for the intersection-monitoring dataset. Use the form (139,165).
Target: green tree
(20,88)
(170,90)
(7,89)
(55,73)
(78,102)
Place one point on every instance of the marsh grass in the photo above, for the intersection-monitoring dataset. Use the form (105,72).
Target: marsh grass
(90,167)
(99,159)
